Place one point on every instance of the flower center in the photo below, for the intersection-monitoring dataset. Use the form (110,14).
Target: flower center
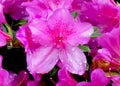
(60,37)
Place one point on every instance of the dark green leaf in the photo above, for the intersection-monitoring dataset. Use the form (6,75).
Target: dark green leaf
(96,33)
(84,48)
(4,28)
(74,14)
(54,71)
(21,22)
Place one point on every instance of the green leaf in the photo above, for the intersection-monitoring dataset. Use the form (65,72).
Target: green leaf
(74,14)
(4,28)
(87,67)
(108,74)
(84,48)
(14,35)
(54,71)
(96,33)
(21,22)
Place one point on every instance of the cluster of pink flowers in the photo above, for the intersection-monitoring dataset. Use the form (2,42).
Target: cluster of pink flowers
(63,42)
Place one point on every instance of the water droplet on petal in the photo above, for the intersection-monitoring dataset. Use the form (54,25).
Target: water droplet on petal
(85,61)
(73,72)
(71,60)
(80,73)
(67,68)
(80,63)
(73,49)
(61,60)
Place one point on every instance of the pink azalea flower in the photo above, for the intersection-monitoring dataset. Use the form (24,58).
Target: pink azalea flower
(103,14)
(45,8)
(59,38)
(98,78)
(14,8)
(110,46)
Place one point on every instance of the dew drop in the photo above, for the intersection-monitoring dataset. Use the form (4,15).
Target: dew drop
(73,72)
(86,17)
(73,49)
(80,63)
(67,68)
(85,61)
(80,73)
(71,60)
(61,60)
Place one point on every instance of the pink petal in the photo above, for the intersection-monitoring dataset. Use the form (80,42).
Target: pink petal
(111,42)
(42,60)
(99,78)
(39,31)
(2,18)
(61,19)
(83,32)
(73,59)
(65,79)
(25,36)
(2,40)
(84,84)
(110,2)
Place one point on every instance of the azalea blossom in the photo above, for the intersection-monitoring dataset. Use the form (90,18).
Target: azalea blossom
(103,14)
(44,8)
(98,78)
(110,47)
(58,38)
(14,8)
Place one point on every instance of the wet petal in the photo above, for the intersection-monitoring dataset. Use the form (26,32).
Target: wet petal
(73,59)
(42,60)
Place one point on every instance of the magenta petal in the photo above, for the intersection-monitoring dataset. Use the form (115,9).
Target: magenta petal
(98,77)
(84,84)
(4,78)
(61,19)
(82,35)
(21,79)
(42,60)
(65,79)
(39,31)
(111,42)
(110,2)
(2,19)
(73,59)
(2,40)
